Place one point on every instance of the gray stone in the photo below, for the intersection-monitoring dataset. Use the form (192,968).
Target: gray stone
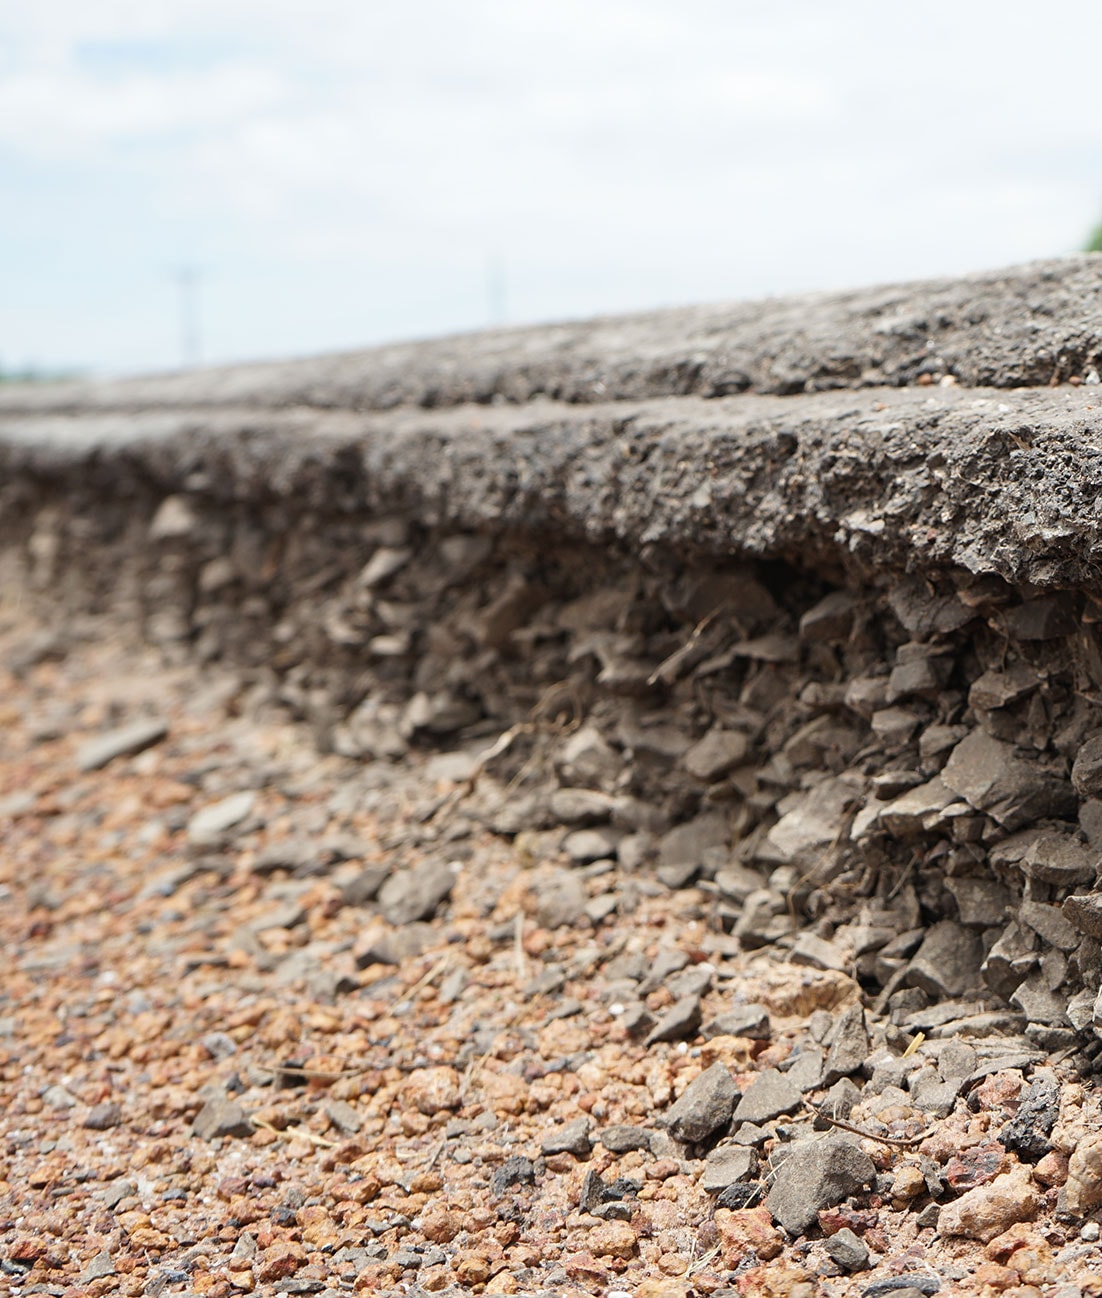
(981,903)
(681,852)
(764,918)
(571,1138)
(104,1116)
(831,619)
(770,1095)
(213,823)
(1011,958)
(669,961)
(805,1068)
(622,1138)
(1049,923)
(727,1164)
(125,742)
(1027,1133)
(817,953)
(343,1116)
(221,1117)
(412,895)
(948,961)
(717,753)
(1086,772)
(99,1268)
(750,1021)
(1059,859)
(394,948)
(560,899)
(585,845)
(705,1106)
(681,1020)
(931,1093)
(847,1250)
(1084,912)
(849,1046)
(1037,1001)
(809,824)
(582,806)
(991,777)
(364,887)
(998,689)
(817,1174)
(588,761)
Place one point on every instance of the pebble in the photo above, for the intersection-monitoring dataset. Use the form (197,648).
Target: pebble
(124,742)
(413,896)
(1084,1183)
(817,1174)
(770,1095)
(572,1138)
(221,1117)
(102,1117)
(705,1106)
(1027,1133)
(849,1251)
(989,1209)
(212,824)
(681,1020)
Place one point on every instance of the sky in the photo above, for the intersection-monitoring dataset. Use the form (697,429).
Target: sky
(220,180)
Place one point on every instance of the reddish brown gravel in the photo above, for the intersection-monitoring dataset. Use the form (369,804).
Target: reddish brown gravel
(213,1082)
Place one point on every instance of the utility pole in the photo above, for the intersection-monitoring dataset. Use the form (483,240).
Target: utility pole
(188,279)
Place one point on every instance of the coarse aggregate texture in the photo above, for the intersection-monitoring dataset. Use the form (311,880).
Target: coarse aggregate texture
(214,1080)
(607,809)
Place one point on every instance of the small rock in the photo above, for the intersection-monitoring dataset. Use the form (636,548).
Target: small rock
(847,1250)
(343,1116)
(1059,859)
(769,1095)
(717,753)
(750,1021)
(585,845)
(705,1106)
(990,1209)
(516,1170)
(104,1116)
(1086,773)
(572,1138)
(991,777)
(125,742)
(1084,912)
(681,1020)
(612,1239)
(817,1174)
(727,1164)
(212,824)
(948,962)
(622,1138)
(397,947)
(747,1232)
(409,896)
(849,1046)
(1084,1183)
(221,1117)
(560,899)
(817,953)
(99,1268)
(432,1090)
